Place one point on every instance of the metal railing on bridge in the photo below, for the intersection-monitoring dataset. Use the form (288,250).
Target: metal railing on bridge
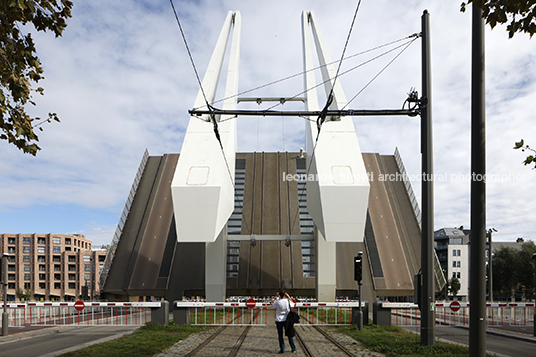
(88,313)
(457,314)
(263,313)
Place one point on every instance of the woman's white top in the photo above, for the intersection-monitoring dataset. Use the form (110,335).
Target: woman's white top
(283,307)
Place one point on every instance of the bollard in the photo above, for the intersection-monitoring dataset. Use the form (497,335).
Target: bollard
(381,316)
(160,315)
(181,315)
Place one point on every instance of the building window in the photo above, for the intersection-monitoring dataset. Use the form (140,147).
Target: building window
(57,267)
(459,275)
(308,258)
(459,252)
(11,285)
(454,264)
(40,250)
(27,267)
(26,258)
(56,240)
(102,258)
(72,276)
(10,268)
(41,259)
(27,286)
(72,286)
(11,250)
(87,267)
(11,277)
(72,258)
(233,258)
(87,258)
(42,286)
(26,250)
(41,240)
(56,258)
(234,224)
(57,286)
(72,267)
(27,276)
(42,268)
(57,276)
(458,264)
(454,252)
(87,276)
(25,240)
(56,249)
(68,241)
(11,240)
(67,249)
(42,277)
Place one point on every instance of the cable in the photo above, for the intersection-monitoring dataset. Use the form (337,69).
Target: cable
(378,74)
(313,69)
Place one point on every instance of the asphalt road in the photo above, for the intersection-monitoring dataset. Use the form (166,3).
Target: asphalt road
(495,344)
(60,340)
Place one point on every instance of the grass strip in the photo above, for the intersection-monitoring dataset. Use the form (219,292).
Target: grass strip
(146,341)
(393,341)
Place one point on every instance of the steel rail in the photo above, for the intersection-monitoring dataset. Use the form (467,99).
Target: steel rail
(206,342)
(238,343)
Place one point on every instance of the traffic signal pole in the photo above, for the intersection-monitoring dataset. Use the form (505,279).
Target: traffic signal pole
(358,276)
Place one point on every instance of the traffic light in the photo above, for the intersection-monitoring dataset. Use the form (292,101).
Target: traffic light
(358,267)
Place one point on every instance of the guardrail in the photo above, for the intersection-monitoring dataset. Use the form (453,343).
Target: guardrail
(457,314)
(88,313)
(261,313)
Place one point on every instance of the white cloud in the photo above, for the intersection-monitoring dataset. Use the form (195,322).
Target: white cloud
(121,81)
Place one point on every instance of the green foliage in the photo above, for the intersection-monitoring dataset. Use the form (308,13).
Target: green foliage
(20,66)
(530,158)
(518,14)
(513,269)
(394,341)
(454,286)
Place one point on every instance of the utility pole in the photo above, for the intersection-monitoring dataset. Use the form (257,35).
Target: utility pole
(477,278)
(5,316)
(427,238)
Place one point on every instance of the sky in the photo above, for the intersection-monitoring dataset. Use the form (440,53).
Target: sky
(121,82)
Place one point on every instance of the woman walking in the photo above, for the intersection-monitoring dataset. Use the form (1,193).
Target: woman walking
(283,304)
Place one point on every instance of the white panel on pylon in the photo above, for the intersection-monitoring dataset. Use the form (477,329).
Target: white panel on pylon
(337,195)
(202,188)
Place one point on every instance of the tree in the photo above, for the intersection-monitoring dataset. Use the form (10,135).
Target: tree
(20,66)
(518,14)
(513,269)
(28,294)
(530,158)
(455,285)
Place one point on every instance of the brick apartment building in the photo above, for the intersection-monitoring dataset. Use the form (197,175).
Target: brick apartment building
(51,267)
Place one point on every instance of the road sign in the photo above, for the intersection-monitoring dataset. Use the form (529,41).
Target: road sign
(454,306)
(79,305)
(250,303)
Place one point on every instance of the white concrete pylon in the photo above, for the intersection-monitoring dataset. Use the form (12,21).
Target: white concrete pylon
(203,184)
(337,185)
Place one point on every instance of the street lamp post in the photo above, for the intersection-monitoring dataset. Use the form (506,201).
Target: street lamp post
(5,318)
(490,262)
(534,317)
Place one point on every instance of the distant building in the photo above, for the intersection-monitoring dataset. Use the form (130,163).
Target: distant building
(52,267)
(452,247)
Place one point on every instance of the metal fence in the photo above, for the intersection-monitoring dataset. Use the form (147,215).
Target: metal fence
(457,314)
(90,313)
(238,313)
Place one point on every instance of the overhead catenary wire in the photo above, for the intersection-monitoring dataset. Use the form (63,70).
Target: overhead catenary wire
(310,70)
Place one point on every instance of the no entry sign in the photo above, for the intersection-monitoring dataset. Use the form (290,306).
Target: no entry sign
(454,306)
(250,303)
(79,305)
